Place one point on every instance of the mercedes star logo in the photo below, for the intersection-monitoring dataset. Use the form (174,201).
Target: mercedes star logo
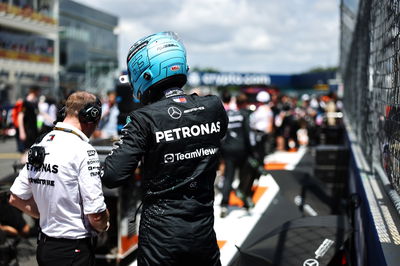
(311,262)
(174,112)
(94,112)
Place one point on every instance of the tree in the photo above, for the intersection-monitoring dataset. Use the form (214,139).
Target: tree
(322,69)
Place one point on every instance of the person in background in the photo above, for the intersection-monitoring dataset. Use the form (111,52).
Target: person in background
(284,123)
(226,98)
(17,108)
(262,125)
(235,151)
(307,123)
(27,121)
(176,139)
(12,221)
(109,118)
(47,113)
(60,186)
(4,95)
(261,139)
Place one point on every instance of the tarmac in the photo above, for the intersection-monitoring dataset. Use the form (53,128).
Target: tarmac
(26,248)
(8,156)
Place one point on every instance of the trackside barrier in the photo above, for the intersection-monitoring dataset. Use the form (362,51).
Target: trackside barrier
(376,221)
(121,240)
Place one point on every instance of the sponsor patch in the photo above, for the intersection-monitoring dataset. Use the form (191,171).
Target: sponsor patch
(174,112)
(169,158)
(136,48)
(195,109)
(323,248)
(311,262)
(91,152)
(175,68)
(188,132)
(46,167)
(179,99)
(173,92)
(93,161)
(181,156)
(38,181)
(168,45)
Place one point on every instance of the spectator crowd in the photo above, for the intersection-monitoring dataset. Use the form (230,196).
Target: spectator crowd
(274,122)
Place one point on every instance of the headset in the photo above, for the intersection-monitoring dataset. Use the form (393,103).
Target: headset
(91,113)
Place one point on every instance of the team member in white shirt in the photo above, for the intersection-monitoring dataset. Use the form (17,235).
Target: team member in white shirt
(262,124)
(60,185)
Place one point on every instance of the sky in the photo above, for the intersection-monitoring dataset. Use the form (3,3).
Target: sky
(248,36)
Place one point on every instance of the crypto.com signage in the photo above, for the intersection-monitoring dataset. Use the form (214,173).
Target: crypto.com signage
(227,78)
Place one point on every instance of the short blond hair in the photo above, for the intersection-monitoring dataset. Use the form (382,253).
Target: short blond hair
(77,101)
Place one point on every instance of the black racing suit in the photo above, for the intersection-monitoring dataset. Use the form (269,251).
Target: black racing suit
(177,139)
(235,150)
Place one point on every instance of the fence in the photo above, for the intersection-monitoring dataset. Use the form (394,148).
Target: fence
(370,67)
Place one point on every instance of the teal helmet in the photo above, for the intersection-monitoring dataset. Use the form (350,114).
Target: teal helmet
(155,63)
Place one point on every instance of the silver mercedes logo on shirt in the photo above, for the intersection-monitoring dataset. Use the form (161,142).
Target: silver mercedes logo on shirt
(174,112)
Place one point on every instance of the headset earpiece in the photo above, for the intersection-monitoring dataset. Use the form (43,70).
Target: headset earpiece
(91,113)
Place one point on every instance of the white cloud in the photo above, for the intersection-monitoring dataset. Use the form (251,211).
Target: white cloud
(286,36)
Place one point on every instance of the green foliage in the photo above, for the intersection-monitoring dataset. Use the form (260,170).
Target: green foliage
(322,69)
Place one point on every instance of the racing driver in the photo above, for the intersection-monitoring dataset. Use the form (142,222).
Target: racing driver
(176,138)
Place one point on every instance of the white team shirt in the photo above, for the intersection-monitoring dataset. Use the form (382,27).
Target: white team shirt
(110,127)
(262,118)
(67,187)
